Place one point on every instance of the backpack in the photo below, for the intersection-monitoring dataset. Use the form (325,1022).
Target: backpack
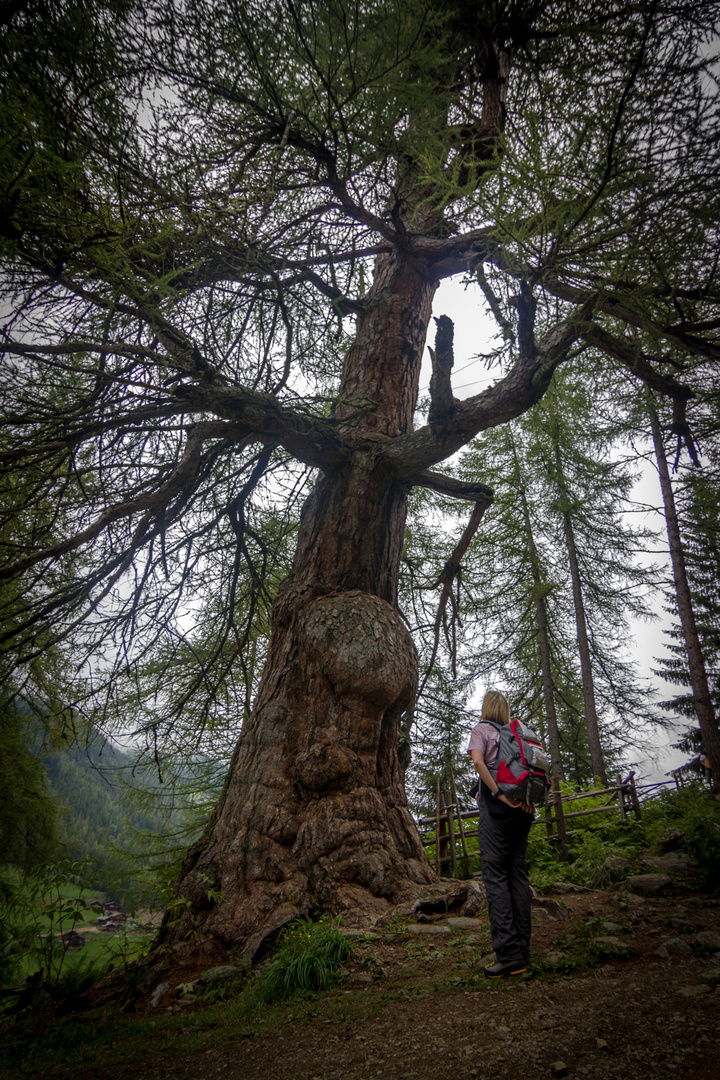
(521,766)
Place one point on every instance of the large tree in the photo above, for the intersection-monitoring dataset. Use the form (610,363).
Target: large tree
(698,513)
(557,549)
(224,226)
(590,488)
(702,699)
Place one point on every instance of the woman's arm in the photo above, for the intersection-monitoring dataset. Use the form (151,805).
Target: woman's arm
(481,768)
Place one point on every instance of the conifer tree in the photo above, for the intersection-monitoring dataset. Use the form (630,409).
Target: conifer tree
(30,833)
(557,468)
(223,229)
(702,701)
(589,490)
(698,505)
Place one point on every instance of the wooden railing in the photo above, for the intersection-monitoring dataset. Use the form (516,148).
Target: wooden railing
(623,797)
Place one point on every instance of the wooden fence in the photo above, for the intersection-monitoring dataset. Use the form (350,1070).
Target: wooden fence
(451,823)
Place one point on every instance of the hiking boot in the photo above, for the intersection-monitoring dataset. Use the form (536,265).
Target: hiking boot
(500,970)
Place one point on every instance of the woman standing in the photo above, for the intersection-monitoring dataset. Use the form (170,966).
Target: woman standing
(503,831)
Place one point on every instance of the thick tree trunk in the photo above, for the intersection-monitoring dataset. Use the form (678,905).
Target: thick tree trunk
(314,812)
(696,662)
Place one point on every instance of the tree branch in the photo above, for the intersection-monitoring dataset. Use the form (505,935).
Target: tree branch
(631,356)
(151,503)
(311,439)
(454,489)
(449,573)
(513,395)
(91,431)
(442,402)
(681,428)
(609,305)
(65,348)
(456,254)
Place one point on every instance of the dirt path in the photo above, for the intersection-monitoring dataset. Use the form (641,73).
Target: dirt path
(416,1006)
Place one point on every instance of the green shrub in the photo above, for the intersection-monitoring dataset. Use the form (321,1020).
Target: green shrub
(692,815)
(544,865)
(34,912)
(589,852)
(14,936)
(307,958)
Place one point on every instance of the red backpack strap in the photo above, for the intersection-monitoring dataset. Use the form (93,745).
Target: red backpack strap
(514,725)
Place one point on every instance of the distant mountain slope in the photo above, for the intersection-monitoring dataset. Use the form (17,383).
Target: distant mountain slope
(100,819)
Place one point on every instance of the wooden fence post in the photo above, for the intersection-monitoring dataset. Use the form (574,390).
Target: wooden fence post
(560,821)
(449,807)
(548,815)
(437,829)
(621,797)
(460,824)
(634,796)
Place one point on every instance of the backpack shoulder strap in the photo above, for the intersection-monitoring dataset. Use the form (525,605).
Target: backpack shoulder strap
(498,727)
(523,731)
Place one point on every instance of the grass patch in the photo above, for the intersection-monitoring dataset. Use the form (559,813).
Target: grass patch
(580,952)
(52,1048)
(35,1048)
(707,952)
(56,1049)
(308,958)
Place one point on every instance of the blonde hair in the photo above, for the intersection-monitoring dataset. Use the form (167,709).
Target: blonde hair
(495,707)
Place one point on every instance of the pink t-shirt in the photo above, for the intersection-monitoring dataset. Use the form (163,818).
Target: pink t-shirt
(485,737)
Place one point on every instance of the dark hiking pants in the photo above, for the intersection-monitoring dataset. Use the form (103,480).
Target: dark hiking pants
(503,847)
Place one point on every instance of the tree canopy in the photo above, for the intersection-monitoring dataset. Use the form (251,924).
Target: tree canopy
(223,227)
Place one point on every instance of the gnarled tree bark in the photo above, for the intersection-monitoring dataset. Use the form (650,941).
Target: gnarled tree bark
(314,809)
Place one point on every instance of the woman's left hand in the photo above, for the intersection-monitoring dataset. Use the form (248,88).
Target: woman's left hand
(515,805)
